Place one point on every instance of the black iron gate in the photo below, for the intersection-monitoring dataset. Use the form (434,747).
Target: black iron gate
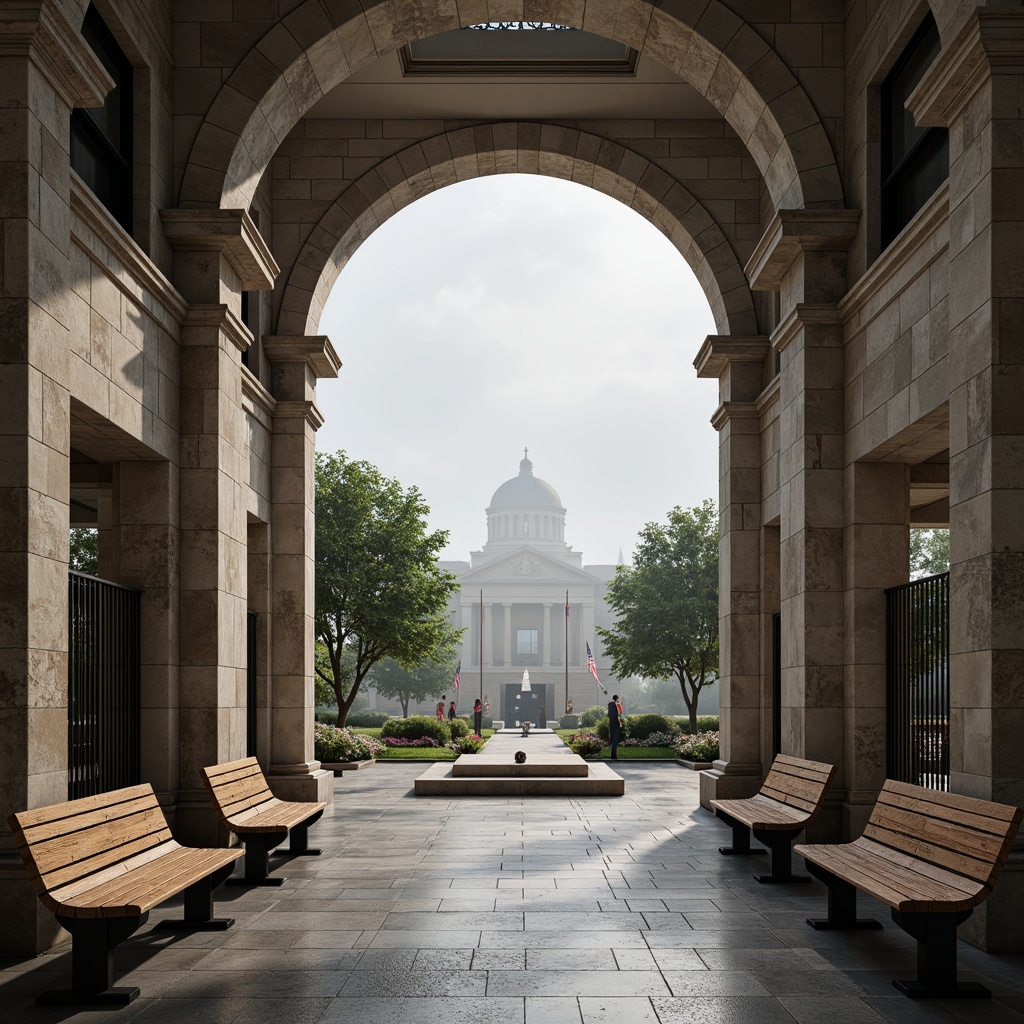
(251,687)
(104,682)
(917,682)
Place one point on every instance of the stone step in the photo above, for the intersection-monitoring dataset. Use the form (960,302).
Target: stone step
(504,766)
(438,780)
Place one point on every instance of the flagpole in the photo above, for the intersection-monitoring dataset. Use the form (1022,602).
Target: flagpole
(481,651)
(567,652)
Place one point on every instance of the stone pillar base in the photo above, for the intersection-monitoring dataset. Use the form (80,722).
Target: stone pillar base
(307,783)
(27,928)
(729,781)
(995,925)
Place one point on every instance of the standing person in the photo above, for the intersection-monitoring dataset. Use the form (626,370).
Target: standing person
(440,709)
(487,703)
(614,724)
(451,711)
(478,717)
(542,718)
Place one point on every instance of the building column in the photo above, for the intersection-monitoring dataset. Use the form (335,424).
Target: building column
(46,69)
(803,257)
(488,628)
(738,363)
(507,635)
(297,362)
(547,634)
(217,255)
(974,90)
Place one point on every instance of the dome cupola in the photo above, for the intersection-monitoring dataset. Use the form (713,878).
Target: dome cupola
(526,510)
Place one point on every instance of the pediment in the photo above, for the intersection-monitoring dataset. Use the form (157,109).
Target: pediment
(526,565)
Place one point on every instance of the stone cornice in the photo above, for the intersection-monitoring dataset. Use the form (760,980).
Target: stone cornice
(734,410)
(932,216)
(263,401)
(770,395)
(315,350)
(230,232)
(991,43)
(40,30)
(719,350)
(88,212)
(793,232)
(216,315)
(804,314)
(300,410)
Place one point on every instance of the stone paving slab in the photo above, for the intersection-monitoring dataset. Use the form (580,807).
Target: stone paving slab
(519,910)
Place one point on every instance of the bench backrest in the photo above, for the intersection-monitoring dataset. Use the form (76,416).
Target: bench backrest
(956,833)
(74,846)
(236,787)
(799,783)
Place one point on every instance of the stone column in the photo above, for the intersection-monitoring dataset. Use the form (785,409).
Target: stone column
(803,257)
(217,255)
(297,362)
(488,628)
(507,637)
(547,634)
(974,89)
(46,69)
(738,363)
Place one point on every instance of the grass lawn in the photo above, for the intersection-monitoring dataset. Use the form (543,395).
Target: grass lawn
(415,753)
(627,753)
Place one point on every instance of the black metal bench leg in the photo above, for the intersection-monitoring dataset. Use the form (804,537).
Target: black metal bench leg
(92,962)
(298,839)
(842,904)
(936,958)
(740,836)
(199,906)
(257,858)
(780,845)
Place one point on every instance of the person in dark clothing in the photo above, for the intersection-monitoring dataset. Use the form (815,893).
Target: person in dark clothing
(614,724)
(451,711)
(478,717)
(542,718)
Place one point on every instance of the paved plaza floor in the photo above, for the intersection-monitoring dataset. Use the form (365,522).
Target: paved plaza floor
(546,910)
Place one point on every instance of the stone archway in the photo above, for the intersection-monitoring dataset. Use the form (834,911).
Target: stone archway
(516,147)
(317,46)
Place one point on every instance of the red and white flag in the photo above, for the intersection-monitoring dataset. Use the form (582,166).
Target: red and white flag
(591,664)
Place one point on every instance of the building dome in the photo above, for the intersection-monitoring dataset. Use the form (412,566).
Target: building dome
(525,491)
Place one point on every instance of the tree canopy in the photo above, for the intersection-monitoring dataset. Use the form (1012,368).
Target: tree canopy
(667,604)
(379,590)
(425,681)
(929,552)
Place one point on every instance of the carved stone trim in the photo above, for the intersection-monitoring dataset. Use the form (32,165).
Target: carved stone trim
(719,350)
(315,350)
(770,395)
(792,232)
(805,314)
(230,232)
(300,410)
(734,410)
(262,400)
(216,315)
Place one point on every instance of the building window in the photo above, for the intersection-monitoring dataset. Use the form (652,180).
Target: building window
(915,161)
(527,641)
(101,137)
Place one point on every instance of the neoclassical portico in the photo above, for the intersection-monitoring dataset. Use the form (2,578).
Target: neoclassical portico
(162,297)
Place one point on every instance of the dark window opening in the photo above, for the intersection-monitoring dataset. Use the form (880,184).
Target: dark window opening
(527,641)
(915,160)
(101,137)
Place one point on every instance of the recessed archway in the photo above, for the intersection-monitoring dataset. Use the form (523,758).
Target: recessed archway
(526,148)
(318,46)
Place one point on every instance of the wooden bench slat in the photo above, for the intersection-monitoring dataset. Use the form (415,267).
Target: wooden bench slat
(942,876)
(799,765)
(277,818)
(924,849)
(953,801)
(981,822)
(73,808)
(64,825)
(231,811)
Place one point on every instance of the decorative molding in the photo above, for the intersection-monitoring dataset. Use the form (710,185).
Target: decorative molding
(524,565)
(931,217)
(219,316)
(770,396)
(40,30)
(300,410)
(991,43)
(90,214)
(230,232)
(719,350)
(263,402)
(793,232)
(734,410)
(804,314)
(315,350)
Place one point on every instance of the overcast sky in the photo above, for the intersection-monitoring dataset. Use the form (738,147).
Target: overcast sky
(513,311)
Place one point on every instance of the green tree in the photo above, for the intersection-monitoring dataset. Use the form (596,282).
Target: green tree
(379,590)
(85,550)
(929,553)
(667,605)
(425,681)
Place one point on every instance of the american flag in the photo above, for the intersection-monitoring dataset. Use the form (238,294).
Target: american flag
(591,664)
(458,675)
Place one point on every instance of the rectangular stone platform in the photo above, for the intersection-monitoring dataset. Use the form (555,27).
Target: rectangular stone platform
(561,766)
(439,780)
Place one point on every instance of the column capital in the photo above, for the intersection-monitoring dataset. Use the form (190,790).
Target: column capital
(990,43)
(232,233)
(41,31)
(298,410)
(734,410)
(805,314)
(316,351)
(792,233)
(721,350)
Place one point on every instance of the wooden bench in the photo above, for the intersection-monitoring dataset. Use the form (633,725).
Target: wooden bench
(932,857)
(101,864)
(246,806)
(791,797)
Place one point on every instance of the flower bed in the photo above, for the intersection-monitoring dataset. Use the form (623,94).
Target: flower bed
(334,745)
(585,744)
(701,749)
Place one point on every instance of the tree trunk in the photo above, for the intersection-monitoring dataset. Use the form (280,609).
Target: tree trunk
(404,701)
(345,703)
(690,702)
